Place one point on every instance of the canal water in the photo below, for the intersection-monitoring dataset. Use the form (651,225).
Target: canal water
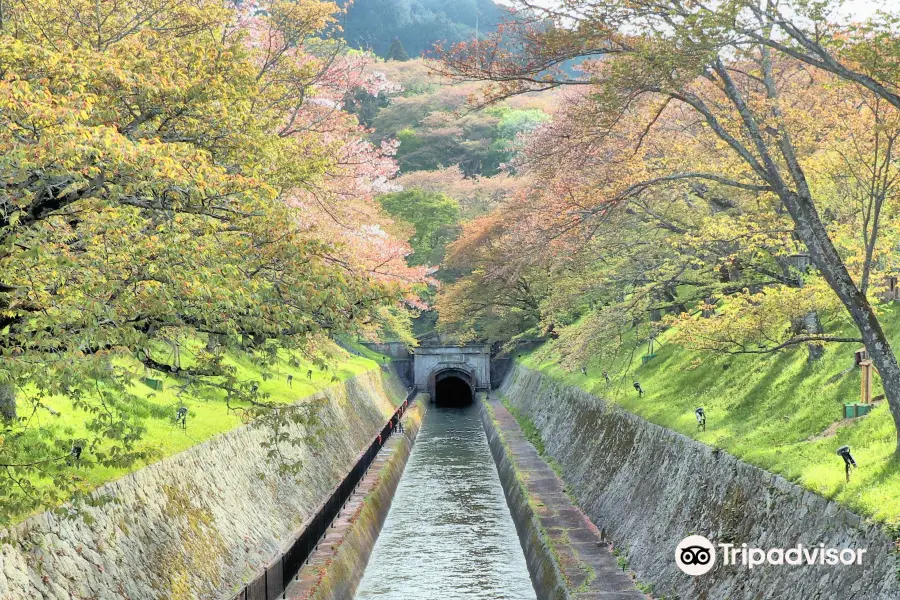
(449,534)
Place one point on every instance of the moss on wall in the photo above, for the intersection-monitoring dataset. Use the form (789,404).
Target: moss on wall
(202,523)
(343,571)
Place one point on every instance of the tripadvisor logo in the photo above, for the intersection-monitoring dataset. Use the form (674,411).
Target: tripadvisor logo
(696,555)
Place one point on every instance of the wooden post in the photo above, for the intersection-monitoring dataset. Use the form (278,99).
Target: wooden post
(865,392)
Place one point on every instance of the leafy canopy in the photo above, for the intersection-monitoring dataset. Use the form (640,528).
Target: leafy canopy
(175,172)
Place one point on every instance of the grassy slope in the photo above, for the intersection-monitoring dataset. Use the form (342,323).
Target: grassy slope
(207,415)
(774,411)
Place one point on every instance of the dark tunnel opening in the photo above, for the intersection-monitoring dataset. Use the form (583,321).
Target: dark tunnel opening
(452,392)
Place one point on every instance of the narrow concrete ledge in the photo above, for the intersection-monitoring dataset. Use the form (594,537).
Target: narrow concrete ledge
(336,567)
(565,552)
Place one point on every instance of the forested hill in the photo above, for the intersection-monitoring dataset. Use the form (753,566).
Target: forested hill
(418,24)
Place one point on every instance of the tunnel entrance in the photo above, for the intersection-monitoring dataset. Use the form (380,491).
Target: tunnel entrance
(453,389)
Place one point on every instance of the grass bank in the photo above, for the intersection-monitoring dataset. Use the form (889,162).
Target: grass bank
(775,411)
(208,414)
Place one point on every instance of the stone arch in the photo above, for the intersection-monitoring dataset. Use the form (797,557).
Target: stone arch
(470,364)
(453,385)
(459,370)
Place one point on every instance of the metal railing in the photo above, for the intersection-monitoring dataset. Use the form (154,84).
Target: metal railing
(274,580)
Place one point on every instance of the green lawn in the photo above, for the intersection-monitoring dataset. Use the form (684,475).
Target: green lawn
(774,411)
(208,414)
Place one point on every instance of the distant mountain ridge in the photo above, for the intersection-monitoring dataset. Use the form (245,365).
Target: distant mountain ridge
(418,24)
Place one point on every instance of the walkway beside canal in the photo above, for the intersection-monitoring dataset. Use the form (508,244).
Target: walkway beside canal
(588,568)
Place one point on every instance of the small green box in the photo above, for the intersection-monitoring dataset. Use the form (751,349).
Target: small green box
(647,358)
(155,384)
(855,409)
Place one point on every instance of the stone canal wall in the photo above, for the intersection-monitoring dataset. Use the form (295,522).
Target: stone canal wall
(335,570)
(566,555)
(647,487)
(200,524)
(546,576)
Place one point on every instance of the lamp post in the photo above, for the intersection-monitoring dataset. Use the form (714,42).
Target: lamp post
(844,452)
(701,418)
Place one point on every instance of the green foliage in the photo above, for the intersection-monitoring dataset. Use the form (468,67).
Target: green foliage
(168,182)
(443,139)
(436,131)
(418,24)
(771,112)
(513,122)
(396,51)
(409,141)
(364,105)
(434,216)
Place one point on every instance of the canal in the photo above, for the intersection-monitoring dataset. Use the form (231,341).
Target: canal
(449,534)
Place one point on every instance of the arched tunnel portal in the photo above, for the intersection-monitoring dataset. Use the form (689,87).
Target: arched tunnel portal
(453,387)
(452,375)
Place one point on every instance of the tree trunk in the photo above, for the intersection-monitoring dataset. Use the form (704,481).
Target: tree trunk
(214,343)
(828,261)
(7,402)
(813,326)
(809,324)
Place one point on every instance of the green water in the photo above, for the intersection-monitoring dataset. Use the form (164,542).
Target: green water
(449,534)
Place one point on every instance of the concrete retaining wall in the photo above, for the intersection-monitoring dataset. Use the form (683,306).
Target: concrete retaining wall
(404,369)
(648,487)
(546,576)
(567,557)
(197,525)
(393,349)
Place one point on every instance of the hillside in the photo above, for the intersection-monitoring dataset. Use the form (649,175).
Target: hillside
(160,396)
(418,24)
(775,411)
(452,161)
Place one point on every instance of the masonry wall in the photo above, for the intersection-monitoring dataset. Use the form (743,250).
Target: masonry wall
(546,577)
(648,487)
(197,525)
(343,571)
(471,359)
(393,349)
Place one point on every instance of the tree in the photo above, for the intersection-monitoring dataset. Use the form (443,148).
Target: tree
(500,295)
(396,51)
(727,68)
(418,24)
(170,173)
(434,216)
(475,195)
